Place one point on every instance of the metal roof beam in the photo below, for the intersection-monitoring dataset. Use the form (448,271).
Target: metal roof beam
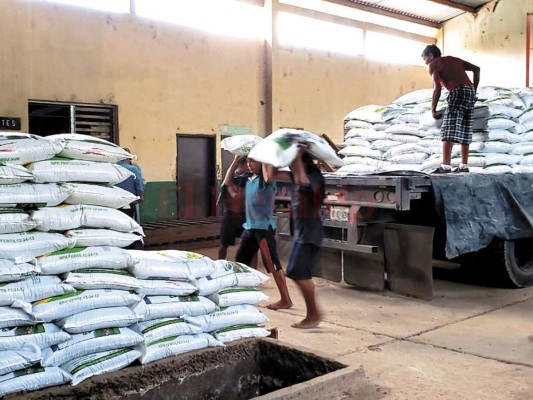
(387,13)
(458,6)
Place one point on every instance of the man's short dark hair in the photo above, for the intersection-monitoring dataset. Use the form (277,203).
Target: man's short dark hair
(431,49)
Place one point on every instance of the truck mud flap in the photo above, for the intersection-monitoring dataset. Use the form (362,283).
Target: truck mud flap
(329,265)
(364,270)
(408,259)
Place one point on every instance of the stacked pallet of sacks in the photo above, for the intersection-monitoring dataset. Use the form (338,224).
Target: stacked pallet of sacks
(405,136)
(71,297)
(181,296)
(59,215)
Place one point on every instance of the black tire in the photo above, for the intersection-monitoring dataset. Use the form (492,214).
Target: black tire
(518,260)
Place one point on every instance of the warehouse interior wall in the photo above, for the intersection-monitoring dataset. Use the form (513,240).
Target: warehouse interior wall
(168,79)
(494,40)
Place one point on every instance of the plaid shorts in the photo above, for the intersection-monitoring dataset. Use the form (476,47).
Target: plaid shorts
(457,123)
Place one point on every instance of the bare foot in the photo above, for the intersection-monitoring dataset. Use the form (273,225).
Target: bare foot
(279,305)
(307,323)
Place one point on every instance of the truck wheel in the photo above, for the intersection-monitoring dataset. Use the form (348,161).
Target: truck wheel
(518,257)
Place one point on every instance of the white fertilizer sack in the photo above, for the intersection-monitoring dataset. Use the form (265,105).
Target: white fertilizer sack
(99,363)
(154,307)
(49,194)
(175,345)
(65,170)
(240,144)
(89,343)
(107,317)
(34,288)
(237,295)
(222,278)
(101,279)
(98,195)
(164,327)
(32,244)
(67,260)
(246,276)
(161,287)
(13,220)
(236,315)
(282,146)
(41,335)
(357,169)
(171,264)
(238,332)
(66,217)
(23,148)
(17,269)
(12,173)
(90,148)
(375,113)
(58,307)
(32,378)
(102,237)
(12,360)
(11,317)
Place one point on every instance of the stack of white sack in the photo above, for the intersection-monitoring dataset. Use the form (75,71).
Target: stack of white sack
(38,258)
(22,333)
(168,283)
(405,136)
(281,148)
(233,288)
(89,175)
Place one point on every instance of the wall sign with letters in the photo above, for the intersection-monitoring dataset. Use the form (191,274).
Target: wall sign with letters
(9,123)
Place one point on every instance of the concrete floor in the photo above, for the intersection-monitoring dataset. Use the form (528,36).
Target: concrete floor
(469,342)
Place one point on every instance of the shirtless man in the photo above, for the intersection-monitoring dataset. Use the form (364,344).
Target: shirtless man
(450,72)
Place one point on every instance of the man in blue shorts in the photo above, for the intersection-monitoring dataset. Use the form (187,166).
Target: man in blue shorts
(306,201)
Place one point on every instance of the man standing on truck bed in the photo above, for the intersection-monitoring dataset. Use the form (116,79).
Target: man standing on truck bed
(450,72)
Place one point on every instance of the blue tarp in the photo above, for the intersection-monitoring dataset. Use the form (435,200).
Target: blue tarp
(477,208)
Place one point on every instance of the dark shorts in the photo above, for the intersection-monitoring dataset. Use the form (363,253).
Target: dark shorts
(302,261)
(231,228)
(259,239)
(457,123)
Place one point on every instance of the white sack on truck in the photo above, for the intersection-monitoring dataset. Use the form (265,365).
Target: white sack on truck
(240,145)
(281,148)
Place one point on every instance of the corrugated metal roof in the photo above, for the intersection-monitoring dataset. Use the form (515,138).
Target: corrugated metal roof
(428,11)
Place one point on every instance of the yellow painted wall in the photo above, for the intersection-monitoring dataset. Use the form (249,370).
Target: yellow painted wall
(316,90)
(168,79)
(495,41)
(165,79)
